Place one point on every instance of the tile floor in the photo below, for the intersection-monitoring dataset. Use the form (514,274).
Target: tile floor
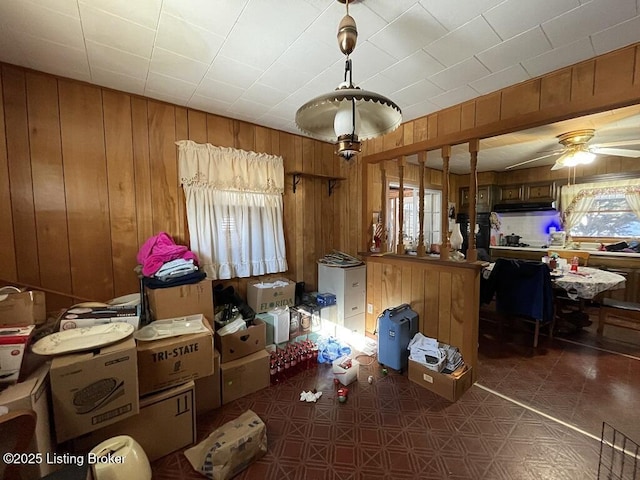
(533,414)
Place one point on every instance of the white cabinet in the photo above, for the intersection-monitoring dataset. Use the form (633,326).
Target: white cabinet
(349,285)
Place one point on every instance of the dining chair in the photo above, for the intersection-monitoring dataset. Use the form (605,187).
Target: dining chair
(523,290)
(17,429)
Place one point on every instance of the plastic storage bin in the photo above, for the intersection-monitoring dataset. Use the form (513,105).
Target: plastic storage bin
(345,369)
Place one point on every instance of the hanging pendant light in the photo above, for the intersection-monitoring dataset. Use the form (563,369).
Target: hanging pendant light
(349,114)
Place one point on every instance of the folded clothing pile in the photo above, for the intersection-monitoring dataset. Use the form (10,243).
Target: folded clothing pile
(165,264)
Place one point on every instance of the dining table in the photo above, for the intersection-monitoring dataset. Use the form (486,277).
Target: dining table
(587,282)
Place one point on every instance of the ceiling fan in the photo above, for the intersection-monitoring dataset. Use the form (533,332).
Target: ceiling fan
(577,151)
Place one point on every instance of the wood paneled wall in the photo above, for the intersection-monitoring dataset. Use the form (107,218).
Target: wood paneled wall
(445,295)
(87,174)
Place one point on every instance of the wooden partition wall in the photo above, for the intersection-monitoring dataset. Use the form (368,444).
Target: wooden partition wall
(87,174)
(444,294)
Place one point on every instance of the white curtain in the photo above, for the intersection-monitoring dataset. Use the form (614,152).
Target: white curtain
(578,198)
(234,209)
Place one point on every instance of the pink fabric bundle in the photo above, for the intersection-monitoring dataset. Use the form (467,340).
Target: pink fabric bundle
(158,250)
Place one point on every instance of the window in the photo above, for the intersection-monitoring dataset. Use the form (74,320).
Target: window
(602,210)
(608,216)
(411,230)
(234,209)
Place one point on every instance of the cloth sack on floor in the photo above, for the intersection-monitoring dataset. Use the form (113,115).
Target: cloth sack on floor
(231,448)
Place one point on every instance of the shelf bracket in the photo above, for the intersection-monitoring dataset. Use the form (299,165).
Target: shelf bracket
(331,183)
(296,180)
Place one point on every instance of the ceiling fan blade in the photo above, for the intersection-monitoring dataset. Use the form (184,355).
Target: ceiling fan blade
(622,143)
(557,166)
(619,152)
(533,159)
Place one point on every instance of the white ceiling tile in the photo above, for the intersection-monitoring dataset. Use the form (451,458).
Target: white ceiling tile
(284,110)
(418,110)
(177,66)
(463,42)
(411,31)
(587,19)
(284,78)
(273,121)
(207,104)
(503,78)
(54,58)
(10,48)
(168,97)
(264,94)
(390,10)
(241,44)
(41,22)
(215,16)
(309,55)
(246,107)
(219,90)
(381,84)
(460,74)
(612,38)
(98,26)
(118,81)
(114,60)
(228,70)
(178,36)
(328,80)
(369,60)
(515,16)
(165,85)
(61,6)
(417,66)
(559,57)
(416,93)
(142,12)
(528,44)
(453,13)
(455,96)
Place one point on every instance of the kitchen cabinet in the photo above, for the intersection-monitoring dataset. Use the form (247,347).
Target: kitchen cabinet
(349,285)
(511,193)
(540,192)
(486,198)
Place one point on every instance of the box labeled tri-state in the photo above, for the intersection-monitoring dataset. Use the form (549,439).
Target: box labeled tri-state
(171,361)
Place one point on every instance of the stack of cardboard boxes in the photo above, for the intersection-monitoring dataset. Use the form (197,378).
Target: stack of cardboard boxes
(24,378)
(175,379)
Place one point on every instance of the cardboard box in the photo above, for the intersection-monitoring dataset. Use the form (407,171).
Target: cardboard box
(25,308)
(171,361)
(242,343)
(262,296)
(449,386)
(78,317)
(277,321)
(182,300)
(208,389)
(33,394)
(13,343)
(244,376)
(166,423)
(231,448)
(93,389)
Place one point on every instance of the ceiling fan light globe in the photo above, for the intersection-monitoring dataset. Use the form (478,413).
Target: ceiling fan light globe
(585,157)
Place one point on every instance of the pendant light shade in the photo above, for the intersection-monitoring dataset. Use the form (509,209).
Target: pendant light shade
(348,114)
